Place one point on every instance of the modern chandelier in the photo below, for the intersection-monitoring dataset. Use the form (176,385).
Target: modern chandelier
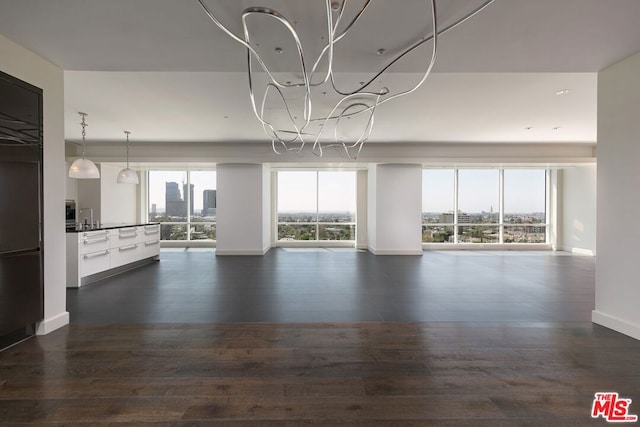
(308,124)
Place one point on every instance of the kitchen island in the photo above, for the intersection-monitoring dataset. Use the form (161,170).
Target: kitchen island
(101,251)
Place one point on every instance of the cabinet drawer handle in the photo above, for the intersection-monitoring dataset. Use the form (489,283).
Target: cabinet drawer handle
(127,248)
(147,232)
(87,241)
(128,236)
(152,227)
(96,254)
(153,242)
(95,235)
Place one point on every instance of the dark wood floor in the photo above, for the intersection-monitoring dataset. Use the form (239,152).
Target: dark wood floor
(471,339)
(344,286)
(371,374)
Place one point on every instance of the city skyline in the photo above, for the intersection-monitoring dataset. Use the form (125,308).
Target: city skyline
(201,180)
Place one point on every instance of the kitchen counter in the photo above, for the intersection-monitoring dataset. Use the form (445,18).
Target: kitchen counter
(79,228)
(109,249)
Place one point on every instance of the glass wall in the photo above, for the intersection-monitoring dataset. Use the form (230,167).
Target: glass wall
(316,205)
(484,205)
(524,206)
(478,204)
(438,199)
(184,202)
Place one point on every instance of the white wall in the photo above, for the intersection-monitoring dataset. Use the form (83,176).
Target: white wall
(266,208)
(577,209)
(118,201)
(89,198)
(372,203)
(27,66)
(362,190)
(242,206)
(617,264)
(111,202)
(397,222)
(71,186)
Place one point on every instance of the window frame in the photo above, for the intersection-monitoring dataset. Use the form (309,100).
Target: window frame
(501,225)
(317,223)
(189,223)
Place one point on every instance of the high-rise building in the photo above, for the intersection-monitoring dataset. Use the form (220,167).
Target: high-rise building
(175,206)
(208,202)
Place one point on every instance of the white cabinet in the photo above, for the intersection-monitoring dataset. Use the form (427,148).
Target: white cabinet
(94,262)
(92,252)
(150,240)
(93,241)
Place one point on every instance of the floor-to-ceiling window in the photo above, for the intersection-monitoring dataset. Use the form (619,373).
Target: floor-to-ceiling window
(316,205)
(478,206)
(184,202)
(489,205)
(438,205)
(525,213)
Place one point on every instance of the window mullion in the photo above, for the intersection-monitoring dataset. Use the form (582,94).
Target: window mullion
(455,205)
(501,206)
(187,198)
(317,205)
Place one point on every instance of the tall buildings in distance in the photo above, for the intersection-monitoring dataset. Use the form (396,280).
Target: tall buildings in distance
(176,205)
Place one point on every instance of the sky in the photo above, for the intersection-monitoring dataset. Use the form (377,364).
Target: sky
(478,190)
(297,190)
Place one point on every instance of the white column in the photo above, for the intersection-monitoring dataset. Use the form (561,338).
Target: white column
(243,209)
(361,209)
(577,205)
(618,198)
(394,209)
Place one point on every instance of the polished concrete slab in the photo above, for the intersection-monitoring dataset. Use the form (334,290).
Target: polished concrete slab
(338,285)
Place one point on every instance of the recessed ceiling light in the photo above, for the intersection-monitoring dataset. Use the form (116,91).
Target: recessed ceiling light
(381,51)
(528,128)
(226,117)
(562,92)
(361,83)
(278,50)
(556,128)
(324,93)
(335,5)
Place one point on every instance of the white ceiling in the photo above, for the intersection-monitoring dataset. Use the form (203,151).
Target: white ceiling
(161,69)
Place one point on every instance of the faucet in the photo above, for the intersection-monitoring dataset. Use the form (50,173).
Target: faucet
(90,217)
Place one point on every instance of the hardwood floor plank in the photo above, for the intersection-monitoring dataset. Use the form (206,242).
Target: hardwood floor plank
(374,373)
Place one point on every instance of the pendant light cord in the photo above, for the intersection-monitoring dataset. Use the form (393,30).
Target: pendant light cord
(127,133)
(84,132)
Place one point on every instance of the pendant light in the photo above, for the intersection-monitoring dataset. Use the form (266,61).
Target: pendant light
(83,168)
(127,175)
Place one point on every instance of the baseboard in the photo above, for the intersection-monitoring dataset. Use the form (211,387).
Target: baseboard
(52,323)
(578,251)
(225,252)
(362,246)
(395,251)
(615,323)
